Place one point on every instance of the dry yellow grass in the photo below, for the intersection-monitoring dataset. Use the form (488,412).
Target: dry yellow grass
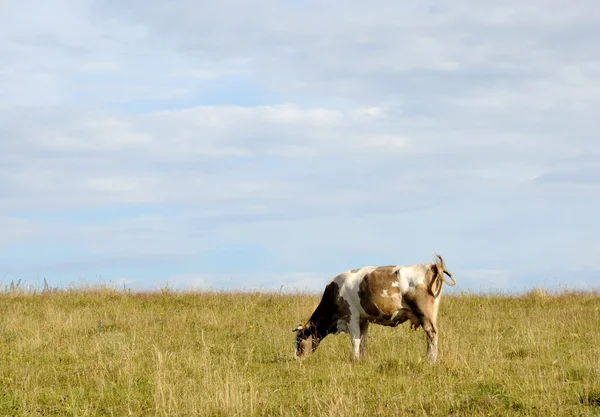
(99,352)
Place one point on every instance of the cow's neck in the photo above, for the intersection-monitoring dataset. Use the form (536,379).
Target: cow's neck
(324,318)
(322,325)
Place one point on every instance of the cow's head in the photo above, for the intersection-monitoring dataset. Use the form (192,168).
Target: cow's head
(306,340)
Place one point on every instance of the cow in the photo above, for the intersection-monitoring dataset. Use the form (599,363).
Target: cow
(384,295)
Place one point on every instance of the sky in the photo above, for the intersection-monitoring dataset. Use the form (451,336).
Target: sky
(273,145)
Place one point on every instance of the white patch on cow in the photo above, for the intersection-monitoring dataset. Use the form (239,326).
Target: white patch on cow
(349,284)
(436,304)
(342,326)
(411,276)
(395,284)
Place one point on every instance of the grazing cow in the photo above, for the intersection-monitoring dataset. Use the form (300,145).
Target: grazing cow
(385,295)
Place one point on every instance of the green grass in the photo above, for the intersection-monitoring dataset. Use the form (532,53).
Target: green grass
(100,352)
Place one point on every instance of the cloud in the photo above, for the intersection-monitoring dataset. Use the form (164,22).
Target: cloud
(298,136)
(583,170)
(100,66)
(16,230)
(424,50)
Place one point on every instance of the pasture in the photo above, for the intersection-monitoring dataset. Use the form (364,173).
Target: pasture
(101,352)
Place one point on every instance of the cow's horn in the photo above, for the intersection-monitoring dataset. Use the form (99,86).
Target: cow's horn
(298,328)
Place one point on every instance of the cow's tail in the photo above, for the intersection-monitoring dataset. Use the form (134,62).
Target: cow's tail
(438,270)
(453,283)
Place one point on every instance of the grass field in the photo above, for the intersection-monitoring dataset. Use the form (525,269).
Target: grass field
(100,352)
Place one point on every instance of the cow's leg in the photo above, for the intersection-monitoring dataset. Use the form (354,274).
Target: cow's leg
(432,339)
(422,304)
(414,320)
(355,336)
(364,328)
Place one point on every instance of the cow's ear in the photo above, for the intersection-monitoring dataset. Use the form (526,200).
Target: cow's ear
(298,328)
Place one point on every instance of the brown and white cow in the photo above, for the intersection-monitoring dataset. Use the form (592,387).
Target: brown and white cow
(385,295)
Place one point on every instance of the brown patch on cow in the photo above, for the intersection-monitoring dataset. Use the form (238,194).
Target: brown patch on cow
(377,295)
